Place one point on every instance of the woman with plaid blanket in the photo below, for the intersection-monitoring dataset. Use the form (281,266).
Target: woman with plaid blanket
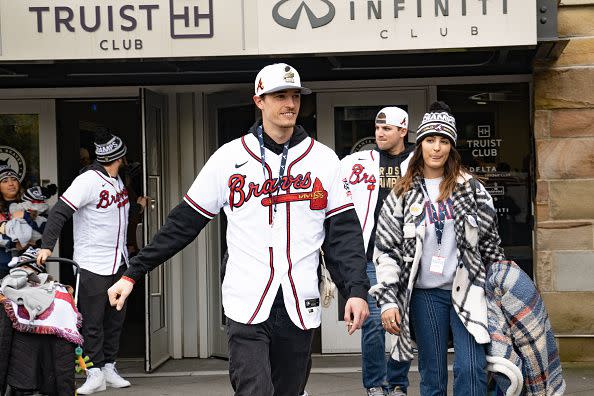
(436,234)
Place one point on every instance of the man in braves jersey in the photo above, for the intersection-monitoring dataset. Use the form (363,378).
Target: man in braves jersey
(98,201)
(284,200)
(371,175)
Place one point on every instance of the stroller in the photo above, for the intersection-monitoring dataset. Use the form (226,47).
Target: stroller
(39,358)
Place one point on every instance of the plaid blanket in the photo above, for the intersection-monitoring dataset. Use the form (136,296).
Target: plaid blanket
(520,330)
(399,246)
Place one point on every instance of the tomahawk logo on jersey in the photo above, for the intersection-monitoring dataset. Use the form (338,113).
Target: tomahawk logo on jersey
(99,229)
(292,212)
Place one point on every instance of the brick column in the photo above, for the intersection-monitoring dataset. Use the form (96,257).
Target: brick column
(564,133)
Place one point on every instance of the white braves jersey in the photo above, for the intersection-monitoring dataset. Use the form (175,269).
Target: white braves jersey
(361,170)
(268,249)
(100,221)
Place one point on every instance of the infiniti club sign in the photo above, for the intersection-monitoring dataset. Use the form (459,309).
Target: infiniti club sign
(393,25)
(314,20)
(35,30)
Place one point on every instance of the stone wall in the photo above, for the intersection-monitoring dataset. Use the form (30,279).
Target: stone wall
(564,134)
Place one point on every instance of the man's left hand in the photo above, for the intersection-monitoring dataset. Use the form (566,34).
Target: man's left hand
(356,312)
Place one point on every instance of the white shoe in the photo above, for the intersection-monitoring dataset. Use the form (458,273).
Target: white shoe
(112,378)
(377,391)
(95,382)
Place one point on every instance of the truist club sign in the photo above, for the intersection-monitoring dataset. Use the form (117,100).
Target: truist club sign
(184,21)
(87,29)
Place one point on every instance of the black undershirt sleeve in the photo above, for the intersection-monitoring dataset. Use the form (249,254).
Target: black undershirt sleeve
(58,216)
(344,252)
(181,227)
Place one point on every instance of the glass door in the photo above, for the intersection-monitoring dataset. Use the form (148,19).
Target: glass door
(346,122)
(230,114)
(28,145)
(494,140)
(154,125)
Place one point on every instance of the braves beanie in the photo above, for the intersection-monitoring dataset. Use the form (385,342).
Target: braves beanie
(6,172)
(438,121)
(39,194)
(108,147)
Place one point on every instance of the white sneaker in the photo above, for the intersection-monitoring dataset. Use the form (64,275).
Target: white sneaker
(378,391)
(397,391)
(95,382)
(112,378)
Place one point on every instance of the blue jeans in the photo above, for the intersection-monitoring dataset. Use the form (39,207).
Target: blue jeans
(376,371)
(432,317)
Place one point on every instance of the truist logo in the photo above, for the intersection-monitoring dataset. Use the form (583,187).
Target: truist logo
(106,199)
(120,26)
(240,193)
(314,20)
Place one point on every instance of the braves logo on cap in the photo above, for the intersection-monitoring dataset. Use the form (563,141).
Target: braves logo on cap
(260,85)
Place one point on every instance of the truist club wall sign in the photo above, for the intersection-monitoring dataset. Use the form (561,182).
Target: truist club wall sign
(88,29)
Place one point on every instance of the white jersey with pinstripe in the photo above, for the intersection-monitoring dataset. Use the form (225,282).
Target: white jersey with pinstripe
(100,221)
(269,249)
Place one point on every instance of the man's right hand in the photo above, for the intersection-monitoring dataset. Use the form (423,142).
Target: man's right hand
(43,255)
(119,292)
(391,321)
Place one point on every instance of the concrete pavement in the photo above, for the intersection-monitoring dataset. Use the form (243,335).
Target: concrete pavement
(334,375)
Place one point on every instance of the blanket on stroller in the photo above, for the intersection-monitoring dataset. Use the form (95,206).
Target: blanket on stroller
(61,317)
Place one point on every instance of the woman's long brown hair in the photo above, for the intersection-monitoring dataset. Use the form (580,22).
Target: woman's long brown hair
(452,169)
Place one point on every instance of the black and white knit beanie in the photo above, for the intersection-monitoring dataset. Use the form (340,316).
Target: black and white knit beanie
(29,254)
(6,171)
(108,147)
(438,121)
(39,194)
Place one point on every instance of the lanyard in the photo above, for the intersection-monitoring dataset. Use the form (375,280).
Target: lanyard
(283,163)
(437,217)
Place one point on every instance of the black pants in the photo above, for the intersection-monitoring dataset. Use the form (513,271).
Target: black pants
(102,323)
(268,358)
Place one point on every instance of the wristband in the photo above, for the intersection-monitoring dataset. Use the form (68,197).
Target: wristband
(129,279)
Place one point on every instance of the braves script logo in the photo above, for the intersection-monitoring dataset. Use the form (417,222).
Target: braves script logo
(239,193)
(106,199)
(293,21)
(358,176)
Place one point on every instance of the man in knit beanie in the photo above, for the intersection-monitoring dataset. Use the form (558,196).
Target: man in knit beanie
(98,202)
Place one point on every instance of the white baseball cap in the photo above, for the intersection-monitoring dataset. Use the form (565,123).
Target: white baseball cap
(392,116)
(278,77)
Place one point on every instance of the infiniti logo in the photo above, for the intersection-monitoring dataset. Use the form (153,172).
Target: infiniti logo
(314,20)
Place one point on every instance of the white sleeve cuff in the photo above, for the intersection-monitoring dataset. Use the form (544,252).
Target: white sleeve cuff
(387,306)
